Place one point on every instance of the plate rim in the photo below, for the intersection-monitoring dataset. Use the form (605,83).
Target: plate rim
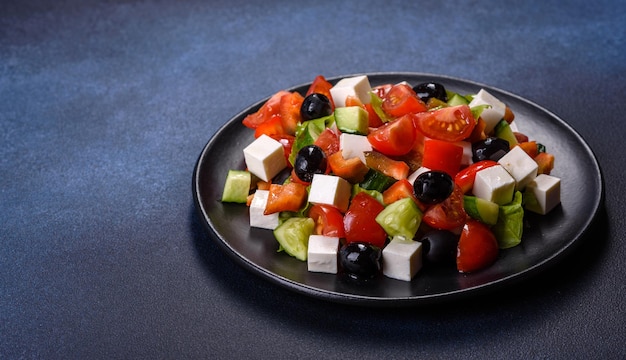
(378,301)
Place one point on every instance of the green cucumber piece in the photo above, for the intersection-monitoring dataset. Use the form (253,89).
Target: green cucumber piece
(456,99)
(376,180)
(400,218)
(481,209)
(503,131)
(237,186)
(508,230)
(352,120)
(293,236)
(307,133)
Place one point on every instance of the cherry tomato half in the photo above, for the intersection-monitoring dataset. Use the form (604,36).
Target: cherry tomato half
(400,100)
(453,123)
(328,220)
(360,221)
(465,178)
(449,214)
(394,138)
(478,247)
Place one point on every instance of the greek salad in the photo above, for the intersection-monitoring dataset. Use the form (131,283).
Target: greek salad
(365,181)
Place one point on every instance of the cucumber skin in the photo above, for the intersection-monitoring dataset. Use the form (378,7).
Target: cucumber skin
(481,209)
(293,236)
(237,186)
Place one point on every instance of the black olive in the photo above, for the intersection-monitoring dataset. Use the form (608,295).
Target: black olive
(360,261)
(310,160)
(492,148)
(433,187)
(439,247)
(429,90)
(315,106)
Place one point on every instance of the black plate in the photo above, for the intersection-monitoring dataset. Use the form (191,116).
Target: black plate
(546,238)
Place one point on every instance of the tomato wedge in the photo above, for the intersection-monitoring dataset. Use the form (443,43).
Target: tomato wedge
(328,141)
(267,111)
(442,155)
(360,221)
(454,123)
(465,178)
(328,221)
(477,249)
(394,138)
(449,214)
(321,86)
(400,100)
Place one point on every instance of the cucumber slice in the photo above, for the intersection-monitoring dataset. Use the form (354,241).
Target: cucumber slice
(293,236)
(376,180)
(237,186)
(481,209)
(352,120)
(509,228)
(400,218)
(503,131)
(457,99)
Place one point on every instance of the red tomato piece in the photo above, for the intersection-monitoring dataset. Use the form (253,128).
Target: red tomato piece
(394,138)
(272,126)
(321,86)
(442,155)
(448,214)
(545,162)
(478,247)
(328,141)
(400,100)
(328,221)
(290,105)
(267,111)
(465,178)
(360,221)
(374,120)
(454,123)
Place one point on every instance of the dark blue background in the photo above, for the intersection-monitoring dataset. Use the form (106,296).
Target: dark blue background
(105,107)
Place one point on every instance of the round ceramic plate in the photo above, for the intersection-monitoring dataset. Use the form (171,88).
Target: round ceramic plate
(545,240)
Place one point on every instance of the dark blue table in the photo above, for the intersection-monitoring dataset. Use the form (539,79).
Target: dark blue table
(105,107)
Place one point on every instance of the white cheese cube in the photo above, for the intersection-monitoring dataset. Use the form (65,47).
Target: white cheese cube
(352,145)
(257,206)
(422,169)
(322,254)
(402,258)
(357,86)
(494,184)
(493,114)
(265,157)
(467,156)
(543,194)
(520,165)
(513,126)
(330,190)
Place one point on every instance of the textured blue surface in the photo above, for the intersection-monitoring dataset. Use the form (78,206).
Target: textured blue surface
(105,107)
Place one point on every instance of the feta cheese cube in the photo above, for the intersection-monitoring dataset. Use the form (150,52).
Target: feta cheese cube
(422,169)
(491,115)
(265,157)
(543,194)
(494,184)
(520,165)
(402,258)
(352,145)
(330,190)
(322,254)
(357,86)
(257,207)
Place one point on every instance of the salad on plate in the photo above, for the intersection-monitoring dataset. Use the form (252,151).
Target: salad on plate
(367,181)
